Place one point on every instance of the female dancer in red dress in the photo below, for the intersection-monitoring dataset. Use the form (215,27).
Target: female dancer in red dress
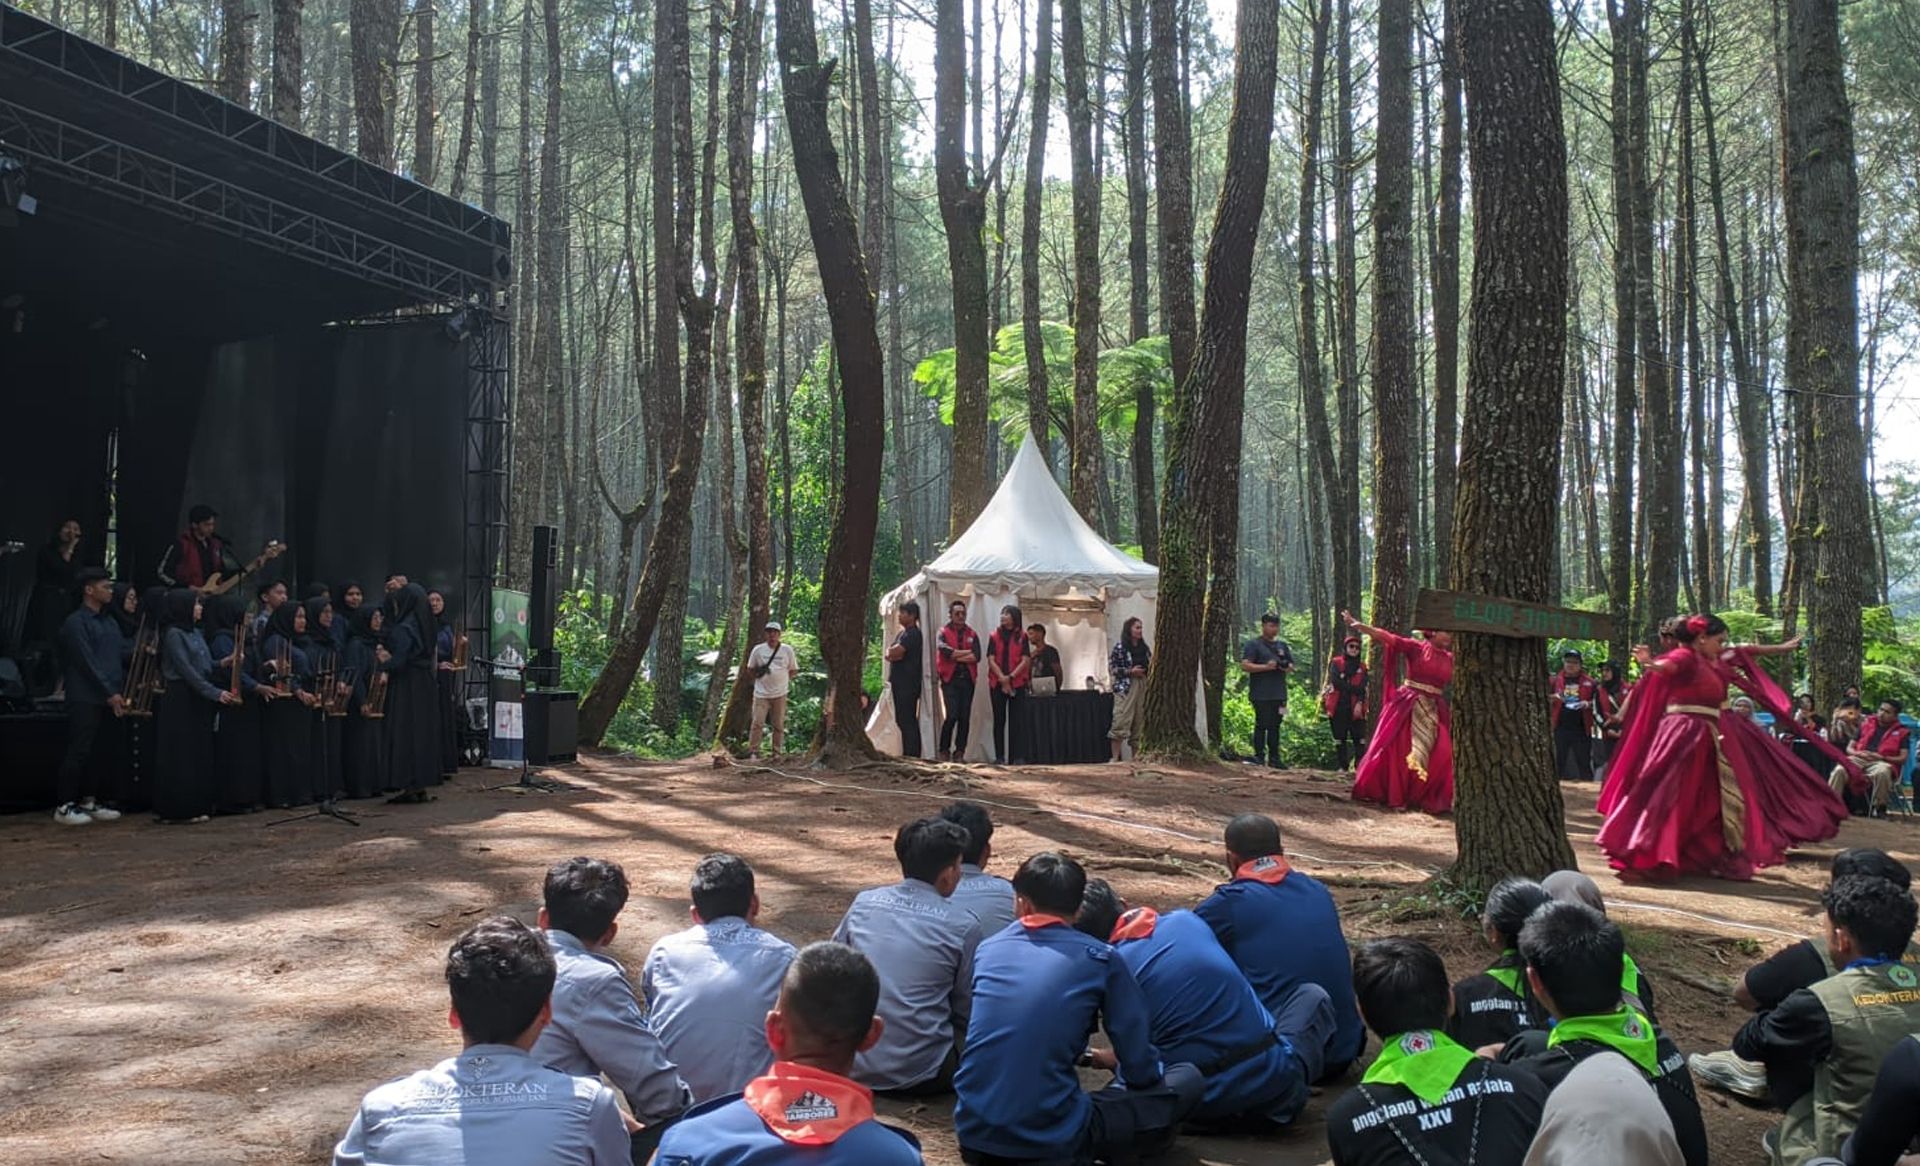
(1409,761)
(1694,787)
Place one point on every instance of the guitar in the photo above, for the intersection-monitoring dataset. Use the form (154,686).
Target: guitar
(221,584)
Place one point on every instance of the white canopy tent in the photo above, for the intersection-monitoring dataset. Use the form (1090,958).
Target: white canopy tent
(1029,548)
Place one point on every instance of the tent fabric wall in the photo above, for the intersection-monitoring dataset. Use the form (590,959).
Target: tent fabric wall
(1029,547)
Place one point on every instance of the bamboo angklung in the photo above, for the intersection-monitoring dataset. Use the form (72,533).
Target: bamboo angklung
(373,705)
(143,672)
(239,655)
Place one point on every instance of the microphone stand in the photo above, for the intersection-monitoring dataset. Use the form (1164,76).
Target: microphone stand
(526,783)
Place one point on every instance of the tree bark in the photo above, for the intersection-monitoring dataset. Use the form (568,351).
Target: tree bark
(236,51)
(1396,415)
(1313,391)
(1139,287)
(424,113)
(1346,305)
(1508,815)
(1039,407)
(375,33)
(1085,460)
(1661,465)
(1620,516)
(1823,245)
(963,212)
(490,118)
(1203,462)
(1446,296)
(470,94)
(286,62)
(1173,186)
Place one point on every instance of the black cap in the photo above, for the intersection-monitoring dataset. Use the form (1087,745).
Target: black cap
(87,576)
(1571,654)
(1270,618)
(201,512)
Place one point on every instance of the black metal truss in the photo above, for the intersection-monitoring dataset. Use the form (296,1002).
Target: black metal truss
(152,181)
(488,365)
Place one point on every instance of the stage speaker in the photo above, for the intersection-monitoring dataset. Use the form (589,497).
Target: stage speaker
(546,561)
(553,727)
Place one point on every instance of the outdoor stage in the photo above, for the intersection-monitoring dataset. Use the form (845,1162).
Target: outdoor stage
(203,306)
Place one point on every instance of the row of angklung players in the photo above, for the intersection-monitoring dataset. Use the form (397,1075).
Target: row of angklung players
(199,704)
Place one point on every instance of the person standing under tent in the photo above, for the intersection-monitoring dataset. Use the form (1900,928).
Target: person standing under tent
(1127,664)
(903,676)
(958,667)
(1409,763)
(1046,657)
(1266,659)
(1008,670)
(1345,702)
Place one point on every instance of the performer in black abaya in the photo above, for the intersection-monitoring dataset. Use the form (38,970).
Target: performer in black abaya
(413,715)
(446,679)
(326,764)
(238,782)
(287,726)
(363,737)
(183,767)
(56,592)
(347,598)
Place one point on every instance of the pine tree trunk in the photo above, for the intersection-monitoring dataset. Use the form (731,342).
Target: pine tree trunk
(1346,306)
(1446,297)
(806,88)
(1139,281)
(1203,462)
(750,329)
(733,539)
(470,95)
(1508,816)
(1687,289)
(1396,415)
(286,62)
(424,114)
(1085,461)
(963,212)
(1620,515)
(1823,244)
(1038,387)
(375,32)
(1661,463)
(1173,190)
(490,120)
(236,51)
(1313,392)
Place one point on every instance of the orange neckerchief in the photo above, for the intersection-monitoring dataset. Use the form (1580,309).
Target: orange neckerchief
(808,1107)
(1036,921)
(1271,870)
(1135,924)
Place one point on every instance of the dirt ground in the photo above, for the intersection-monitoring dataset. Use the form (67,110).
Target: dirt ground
(226,992)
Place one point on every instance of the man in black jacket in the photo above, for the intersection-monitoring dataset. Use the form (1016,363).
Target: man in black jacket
(1574,958)
(93,654)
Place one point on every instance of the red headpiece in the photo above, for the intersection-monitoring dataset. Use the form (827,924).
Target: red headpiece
(1697,625)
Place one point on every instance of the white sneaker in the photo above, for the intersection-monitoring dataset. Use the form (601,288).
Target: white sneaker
(1725,1071)
(71,815)
(99,813)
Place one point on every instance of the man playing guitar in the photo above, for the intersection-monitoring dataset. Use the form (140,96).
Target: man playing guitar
(203,561)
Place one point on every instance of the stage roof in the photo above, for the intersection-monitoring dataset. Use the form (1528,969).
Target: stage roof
(168,214)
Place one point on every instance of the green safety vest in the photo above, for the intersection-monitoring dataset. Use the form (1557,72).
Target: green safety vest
(1910,957)
(1872,1009)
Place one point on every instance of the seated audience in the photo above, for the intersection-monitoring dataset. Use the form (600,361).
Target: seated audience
(989,897)
(1849,717)
(805,1109)
(1425,1098)
(1570,886)
(1492,1007)
(1823,1044)
(1039,989)
(1574,958)
(1880,752)
(1798,965)
(493,1105)
(1890,1127)
(921,943)
(709,988)
(597,1023)
(1282,928)
(1203,1012)
(1604,1113)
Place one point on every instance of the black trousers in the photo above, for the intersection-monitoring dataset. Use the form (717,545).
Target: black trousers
(957,695)
(1007,742)
(1127,1125)
(79,775)
(1349,734)
(906,717)
(1266,731)
(1572,749)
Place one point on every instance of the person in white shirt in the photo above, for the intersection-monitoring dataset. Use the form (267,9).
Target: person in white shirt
(773,665)
(921,943)
(709,988)
(989,897)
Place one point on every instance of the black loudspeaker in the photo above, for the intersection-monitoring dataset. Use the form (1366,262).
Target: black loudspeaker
(546,560)
(553,727)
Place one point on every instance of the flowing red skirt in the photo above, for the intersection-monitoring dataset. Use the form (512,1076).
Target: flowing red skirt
(1668,820)
(1384,775)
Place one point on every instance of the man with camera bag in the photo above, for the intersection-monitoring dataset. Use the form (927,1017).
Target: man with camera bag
(773,665)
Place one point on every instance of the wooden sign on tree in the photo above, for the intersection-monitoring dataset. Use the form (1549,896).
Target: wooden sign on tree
(1457,611)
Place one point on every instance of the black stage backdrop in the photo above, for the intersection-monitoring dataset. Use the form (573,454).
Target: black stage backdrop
(348,443)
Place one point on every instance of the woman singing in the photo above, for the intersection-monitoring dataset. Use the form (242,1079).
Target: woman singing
(1409,764)
(1345,702)
(1693,790)
(413,713)
(364,738)
(183,768)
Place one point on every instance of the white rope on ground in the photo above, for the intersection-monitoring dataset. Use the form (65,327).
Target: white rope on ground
(1082,814)
(1713,919)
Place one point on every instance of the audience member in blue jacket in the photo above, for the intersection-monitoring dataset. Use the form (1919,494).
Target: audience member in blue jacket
(805,1110)
(1039,987)
(1283,929)
(1204,1012)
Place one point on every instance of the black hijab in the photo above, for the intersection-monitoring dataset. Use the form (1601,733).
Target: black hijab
(409,605)
(222,613)
(129,624)
(176,610)
(315,636)
(280,623)
(360,622)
